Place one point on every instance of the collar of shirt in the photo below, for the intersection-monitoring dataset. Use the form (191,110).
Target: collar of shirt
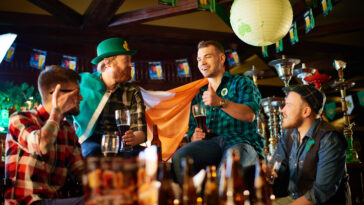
(309,133)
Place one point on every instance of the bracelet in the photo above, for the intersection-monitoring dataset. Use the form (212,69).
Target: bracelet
(55,123)
(58,110)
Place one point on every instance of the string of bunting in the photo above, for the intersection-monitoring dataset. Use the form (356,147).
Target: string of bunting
(326,7)
(38,59)
(330,107)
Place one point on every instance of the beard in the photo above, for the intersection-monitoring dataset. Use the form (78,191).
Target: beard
(124,77)
(294,122)
(74,111)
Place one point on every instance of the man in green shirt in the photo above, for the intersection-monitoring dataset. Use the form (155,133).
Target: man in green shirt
(232,105)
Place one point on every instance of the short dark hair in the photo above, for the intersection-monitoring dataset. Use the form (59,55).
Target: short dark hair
(217,45)
(53,75)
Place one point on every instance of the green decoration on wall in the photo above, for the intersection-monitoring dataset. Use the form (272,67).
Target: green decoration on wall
(15,98)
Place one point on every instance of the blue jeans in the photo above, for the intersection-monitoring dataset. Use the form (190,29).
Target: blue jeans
(210,152)
(70,201)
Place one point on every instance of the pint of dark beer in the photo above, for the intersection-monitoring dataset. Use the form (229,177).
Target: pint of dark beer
(122,118)
(199,113)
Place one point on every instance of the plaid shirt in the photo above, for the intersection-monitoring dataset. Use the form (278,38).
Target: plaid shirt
(239,89)
(126,96)
(38,175)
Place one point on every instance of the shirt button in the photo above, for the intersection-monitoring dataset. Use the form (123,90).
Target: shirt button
(213,108)
(212,119)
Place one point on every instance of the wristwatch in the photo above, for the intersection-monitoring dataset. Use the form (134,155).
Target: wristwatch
(223,103)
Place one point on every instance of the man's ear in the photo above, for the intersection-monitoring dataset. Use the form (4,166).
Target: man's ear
(222,58)
(307,111)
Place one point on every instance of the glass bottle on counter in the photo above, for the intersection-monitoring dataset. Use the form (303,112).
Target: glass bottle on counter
(166,195)
(262,190)
(189,194)
(156,141)
(211,192)
(235,183)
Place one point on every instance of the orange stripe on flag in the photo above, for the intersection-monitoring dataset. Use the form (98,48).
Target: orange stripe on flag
(172,116)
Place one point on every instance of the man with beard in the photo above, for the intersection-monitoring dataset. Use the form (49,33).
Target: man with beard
(41,147)
(232,104)
(106,91)
(313,154)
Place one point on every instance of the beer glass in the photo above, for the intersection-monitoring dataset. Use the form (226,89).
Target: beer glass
(199,113)
(272,163)
(122,118)
(110,145)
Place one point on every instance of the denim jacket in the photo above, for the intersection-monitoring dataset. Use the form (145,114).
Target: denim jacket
(330,166)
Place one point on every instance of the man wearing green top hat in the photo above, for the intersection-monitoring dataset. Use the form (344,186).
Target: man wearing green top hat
(104,92)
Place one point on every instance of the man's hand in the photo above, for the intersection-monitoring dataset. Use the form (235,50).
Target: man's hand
(133,138)
(66,101)
(210,97)
(198,135)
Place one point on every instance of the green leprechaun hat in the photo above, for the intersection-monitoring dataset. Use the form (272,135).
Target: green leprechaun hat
(112,47)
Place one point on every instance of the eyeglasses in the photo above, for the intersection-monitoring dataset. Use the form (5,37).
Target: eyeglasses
(64,91)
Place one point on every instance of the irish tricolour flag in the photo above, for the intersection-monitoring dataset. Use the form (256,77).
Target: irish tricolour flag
(170,111)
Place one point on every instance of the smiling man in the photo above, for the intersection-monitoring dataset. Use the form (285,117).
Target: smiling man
(106,91)
(312,153)
(232,104)
(41,147)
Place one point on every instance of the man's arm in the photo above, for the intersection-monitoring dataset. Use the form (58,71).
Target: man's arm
(33,139)
(137,134)
(239,111)
(246,107)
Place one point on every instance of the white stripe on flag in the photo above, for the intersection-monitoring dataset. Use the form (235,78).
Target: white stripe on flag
(153,98)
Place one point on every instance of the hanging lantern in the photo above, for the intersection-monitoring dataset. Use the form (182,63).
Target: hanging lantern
(261,22)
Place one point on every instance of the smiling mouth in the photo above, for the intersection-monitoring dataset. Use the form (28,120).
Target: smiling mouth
(204,69)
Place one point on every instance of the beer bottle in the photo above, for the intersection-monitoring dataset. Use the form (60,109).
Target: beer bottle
(189,195)
(262,193)
(156,141)
(166,195)
(222,184)
(199,201)
(235,184)
(211,192)
(246,197)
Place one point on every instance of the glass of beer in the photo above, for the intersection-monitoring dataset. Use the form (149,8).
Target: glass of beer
(110,145)
(122,118)
(272,163)
(199,113)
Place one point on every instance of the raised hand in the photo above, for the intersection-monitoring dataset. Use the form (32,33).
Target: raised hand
(210,97)
(66,101)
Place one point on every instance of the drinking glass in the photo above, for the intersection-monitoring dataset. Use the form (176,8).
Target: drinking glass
(199,113)
(110,145)
(273,163)
(122,118)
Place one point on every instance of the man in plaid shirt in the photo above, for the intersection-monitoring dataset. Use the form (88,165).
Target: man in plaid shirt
(41,147)
(232,104)
(110,84)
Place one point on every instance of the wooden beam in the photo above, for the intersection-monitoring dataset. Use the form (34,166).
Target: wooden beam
(153,13)
(172,34)
(100,12)
(59,10)
(23,19)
